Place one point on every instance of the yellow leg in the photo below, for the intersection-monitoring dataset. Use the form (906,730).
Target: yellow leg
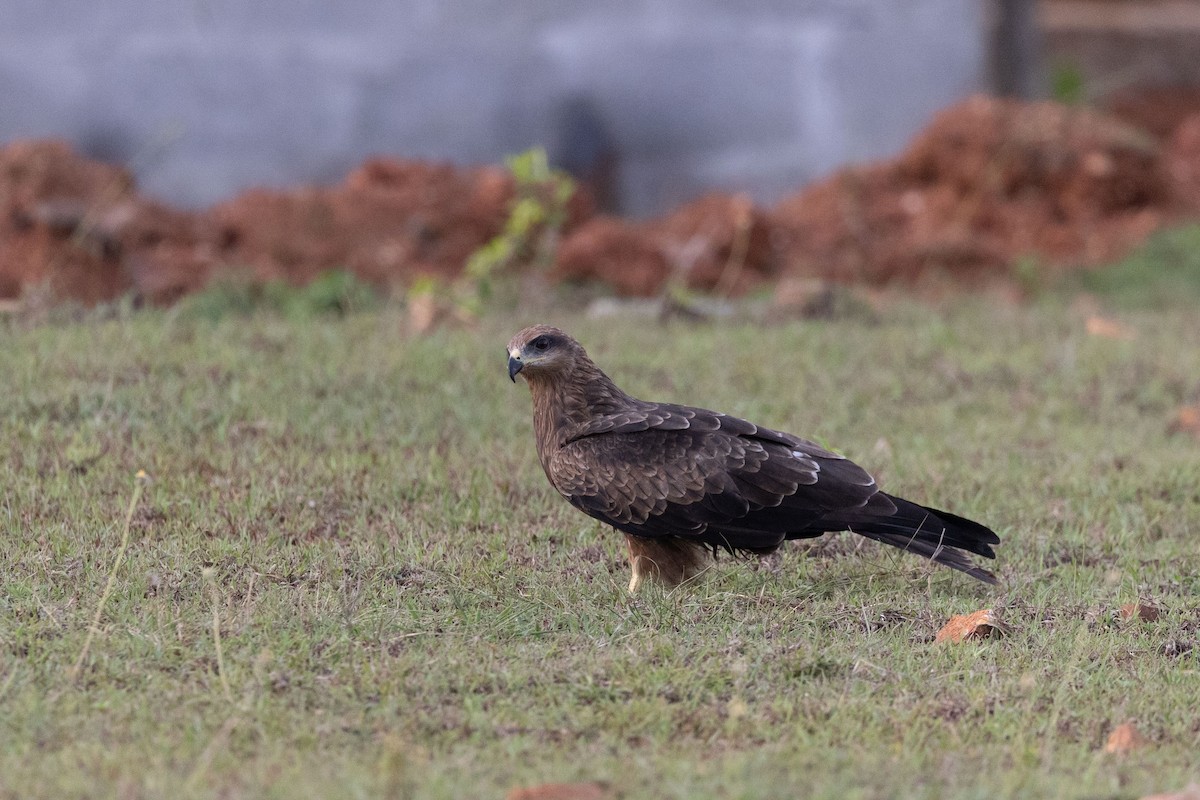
(668,561)
(635,581)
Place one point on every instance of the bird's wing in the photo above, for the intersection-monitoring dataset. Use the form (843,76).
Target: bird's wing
(657,470)
(643,416)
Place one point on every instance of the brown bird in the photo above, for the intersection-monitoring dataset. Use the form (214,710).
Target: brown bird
(682,483)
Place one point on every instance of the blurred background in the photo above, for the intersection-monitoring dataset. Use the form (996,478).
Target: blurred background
(208,97)
(649,106)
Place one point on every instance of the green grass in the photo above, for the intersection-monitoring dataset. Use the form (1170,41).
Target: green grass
(1163,272)
(331,292)
(406,609)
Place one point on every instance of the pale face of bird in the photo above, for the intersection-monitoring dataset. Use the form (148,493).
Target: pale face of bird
(537,351)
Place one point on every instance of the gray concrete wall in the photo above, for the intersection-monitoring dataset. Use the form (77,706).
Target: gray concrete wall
(206,97)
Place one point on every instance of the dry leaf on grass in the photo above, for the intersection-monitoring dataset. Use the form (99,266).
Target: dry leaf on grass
(1187,420)
(1124,739)
(562,791)
(423,313)
(980,625)
(428,311)
(1141,610)
(1190,792)
(1107,328)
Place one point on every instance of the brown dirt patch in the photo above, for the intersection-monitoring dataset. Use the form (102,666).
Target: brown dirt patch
(387,222)
(78,228)
(988,183)
(718,243)
(1157,110)
(1183,161)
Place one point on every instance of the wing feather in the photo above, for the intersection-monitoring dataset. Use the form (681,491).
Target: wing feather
(657,470)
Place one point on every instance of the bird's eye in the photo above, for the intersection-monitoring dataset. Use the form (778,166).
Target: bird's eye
(541,344)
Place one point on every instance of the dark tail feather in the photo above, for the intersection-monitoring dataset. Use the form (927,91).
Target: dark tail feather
(937,535)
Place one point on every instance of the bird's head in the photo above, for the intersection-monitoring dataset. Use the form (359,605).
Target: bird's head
(541,351)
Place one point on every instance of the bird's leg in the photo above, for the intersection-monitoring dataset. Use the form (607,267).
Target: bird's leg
(669,561)
(641,561)
(639,569)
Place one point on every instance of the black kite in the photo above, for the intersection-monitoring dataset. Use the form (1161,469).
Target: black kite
(683,482)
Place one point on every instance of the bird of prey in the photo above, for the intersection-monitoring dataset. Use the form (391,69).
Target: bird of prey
(682,483)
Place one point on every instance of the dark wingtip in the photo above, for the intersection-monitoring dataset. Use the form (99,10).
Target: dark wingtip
(983,575)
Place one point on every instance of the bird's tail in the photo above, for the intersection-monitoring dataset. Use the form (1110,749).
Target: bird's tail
(937,535)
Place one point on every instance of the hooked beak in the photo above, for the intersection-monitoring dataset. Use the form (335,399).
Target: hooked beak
(514,366)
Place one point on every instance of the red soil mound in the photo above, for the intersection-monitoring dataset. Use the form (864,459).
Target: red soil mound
(718,242)
(388,221)
(76,226)
(987,183)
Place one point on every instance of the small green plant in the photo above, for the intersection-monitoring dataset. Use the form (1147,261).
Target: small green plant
(535,219)
(536,216)
(1067,84)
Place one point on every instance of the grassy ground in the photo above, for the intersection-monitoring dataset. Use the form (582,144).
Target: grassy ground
(348,577)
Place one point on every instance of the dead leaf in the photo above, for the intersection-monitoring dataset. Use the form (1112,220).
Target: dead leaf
(590,790)
(1141,610)
(1124,739)
(1107,328)
(1187,420)
(980,625)
(1190,792)
(423,313)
